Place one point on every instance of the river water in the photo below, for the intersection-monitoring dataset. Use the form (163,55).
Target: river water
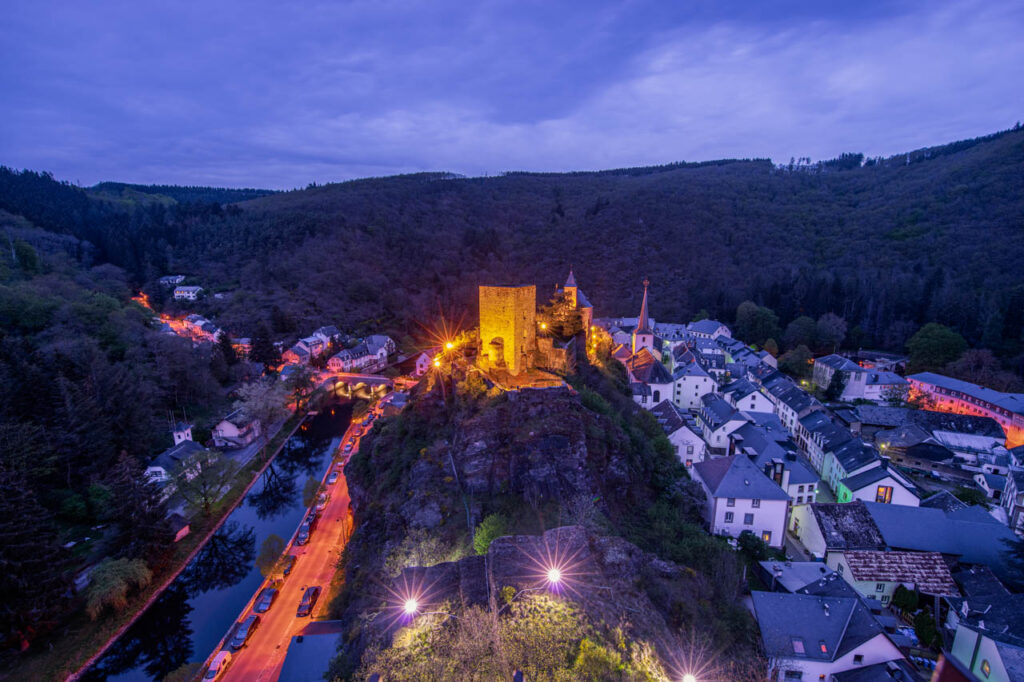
(189,619)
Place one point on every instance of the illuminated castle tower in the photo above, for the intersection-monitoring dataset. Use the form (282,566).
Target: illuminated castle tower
(643,335)
(508,332)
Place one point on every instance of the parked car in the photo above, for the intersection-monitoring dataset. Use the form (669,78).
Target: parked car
(348,448)
(218,666)
(244,631)
(289,563)
(322,500)
(265,600)
(309,598)
(333,478)
(305,530)
(358,432)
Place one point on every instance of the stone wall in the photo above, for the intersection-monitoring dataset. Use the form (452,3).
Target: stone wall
(507,327)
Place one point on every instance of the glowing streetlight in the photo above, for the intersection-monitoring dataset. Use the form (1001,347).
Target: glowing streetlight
(689,678)
(554,575)
(543,325)
(449,345)
(437,362)
(411,606)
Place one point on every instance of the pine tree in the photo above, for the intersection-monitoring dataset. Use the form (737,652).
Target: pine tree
(227,349)
(34,569)
(138,511)
(263,349)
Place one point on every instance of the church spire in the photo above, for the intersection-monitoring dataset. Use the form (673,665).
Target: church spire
(571,282)
(643,323)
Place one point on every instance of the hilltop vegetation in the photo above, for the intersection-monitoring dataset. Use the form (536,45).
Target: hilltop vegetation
(888,244)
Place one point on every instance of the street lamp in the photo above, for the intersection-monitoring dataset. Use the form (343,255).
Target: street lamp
(449,345)
(689,678)
(554,575)
(411,606)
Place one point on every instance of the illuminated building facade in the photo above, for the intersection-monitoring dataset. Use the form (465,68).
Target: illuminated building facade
(508,331)
(946,394)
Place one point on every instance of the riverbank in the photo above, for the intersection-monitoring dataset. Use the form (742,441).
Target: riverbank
(84,641)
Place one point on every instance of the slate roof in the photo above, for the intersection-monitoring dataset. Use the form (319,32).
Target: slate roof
(705,326)
(854,454)
(1012,402)
(812,627)
(647,368)
(672,418)
(172,456)
(571,280)
(898,671)
(904,436)
(927,571)
(738,477)
(878,415)
(969,533)
(943,500)
(839,362)
(740,387)
(717,411)
(240,418)
(995,482)
(796,399)
(793,575)
(885,379)
(933,452)
(876,474)
(847,526)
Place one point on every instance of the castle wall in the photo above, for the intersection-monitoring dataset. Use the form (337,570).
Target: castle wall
(508,316)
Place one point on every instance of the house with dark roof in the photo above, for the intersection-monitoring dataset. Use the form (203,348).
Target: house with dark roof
(810,637)
(646,369)
(776,455)
(889,671)
(992,484)
(743,395)
(880,483)
(708,329)
(791,576)
(1013,500)
(987,654)
(946,394)
(943,500)
(833,527)
(969,535)
(741,498)
(683,432)
(850,458)
(237,430)
(691,380)
(817,434)
(718,419)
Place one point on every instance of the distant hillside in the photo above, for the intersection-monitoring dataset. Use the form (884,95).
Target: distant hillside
(120,191)
(884,243)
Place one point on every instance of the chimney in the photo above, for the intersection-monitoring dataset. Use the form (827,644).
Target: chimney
(826,609)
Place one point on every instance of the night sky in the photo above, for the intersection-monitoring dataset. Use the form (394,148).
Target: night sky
(280,94)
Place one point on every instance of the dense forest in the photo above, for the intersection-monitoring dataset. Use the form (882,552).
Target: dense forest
(924,247)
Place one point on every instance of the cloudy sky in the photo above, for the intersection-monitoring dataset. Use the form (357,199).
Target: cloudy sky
(279,94)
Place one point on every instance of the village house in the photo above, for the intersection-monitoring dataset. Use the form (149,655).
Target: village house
(314,345)
(849,459)
(298,354)
(649,380)
(881,483)
(945,394)
(741,498)
(708,329)
(162,468)
(682,431)
(815,637)
(817,434)
(1013,500)
(717,420)
(743,395)
(237,430)
(187,293)
(986,653)
(692,381)
(992,485)
(877,574)
(823,528)
(171,280)
(327,335)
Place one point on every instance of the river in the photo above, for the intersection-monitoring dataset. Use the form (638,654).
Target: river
(197,609)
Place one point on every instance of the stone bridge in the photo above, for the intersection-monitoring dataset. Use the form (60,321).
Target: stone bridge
(366,386)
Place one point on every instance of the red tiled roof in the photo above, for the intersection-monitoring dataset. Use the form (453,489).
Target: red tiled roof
(926,571)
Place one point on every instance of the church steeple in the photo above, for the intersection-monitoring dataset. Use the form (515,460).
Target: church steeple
(643,335)
(643,324)
(571,282)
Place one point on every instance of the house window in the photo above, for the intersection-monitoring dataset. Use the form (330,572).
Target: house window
(823,646)
(858,659)
(810,487)
(766,535)
(799,488)
(884,494)
(879,587)
(794,675)
(689,449)
(689,463)
(755,503)
(798,646)
(748,519)
(839,569)
(799,499)
(728,517)
(885,599)
(730,502)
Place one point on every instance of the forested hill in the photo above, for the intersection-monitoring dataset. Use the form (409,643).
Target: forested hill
(934,235)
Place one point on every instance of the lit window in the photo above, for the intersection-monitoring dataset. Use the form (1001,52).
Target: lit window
(884,494)
(986,668)
(767,537)
(823,646)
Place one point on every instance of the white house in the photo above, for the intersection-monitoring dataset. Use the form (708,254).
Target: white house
(172,280)
(718,419)
(650,381)
(683,432)
(692,381)
(879,483)
(812,637)
(314,344)
(238,429)
(988,655)
(187,293)
(741,498)
(327,334)
(1013,500)
(745,396)
(708,329)
(992,484)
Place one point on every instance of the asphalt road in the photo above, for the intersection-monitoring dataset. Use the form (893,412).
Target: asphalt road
(262,657)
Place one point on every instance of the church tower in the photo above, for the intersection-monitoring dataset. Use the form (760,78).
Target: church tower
(571,290)
(643,335)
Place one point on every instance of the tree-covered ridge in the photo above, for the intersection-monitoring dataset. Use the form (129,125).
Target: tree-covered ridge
(188,194)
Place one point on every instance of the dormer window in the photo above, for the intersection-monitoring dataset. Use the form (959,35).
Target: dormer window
(823,646)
